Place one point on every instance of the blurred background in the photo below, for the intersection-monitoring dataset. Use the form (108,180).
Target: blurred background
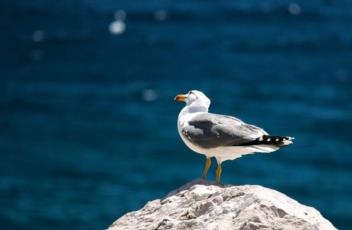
(87,117)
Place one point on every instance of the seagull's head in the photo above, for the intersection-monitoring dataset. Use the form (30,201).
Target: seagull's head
(194,98)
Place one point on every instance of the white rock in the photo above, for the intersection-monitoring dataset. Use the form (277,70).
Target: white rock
(201,205)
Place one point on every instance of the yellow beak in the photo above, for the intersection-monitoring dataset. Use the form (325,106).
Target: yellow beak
(180,97)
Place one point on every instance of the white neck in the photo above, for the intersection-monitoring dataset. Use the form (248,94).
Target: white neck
(192,109)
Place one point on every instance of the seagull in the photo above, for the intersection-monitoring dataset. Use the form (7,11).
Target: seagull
(220,136)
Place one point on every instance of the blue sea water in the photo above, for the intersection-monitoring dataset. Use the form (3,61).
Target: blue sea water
(87,117)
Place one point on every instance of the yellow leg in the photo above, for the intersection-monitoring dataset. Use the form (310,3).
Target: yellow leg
(206,167)
(218,174)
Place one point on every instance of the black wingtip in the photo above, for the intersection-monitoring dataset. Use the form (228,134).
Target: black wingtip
(271,140)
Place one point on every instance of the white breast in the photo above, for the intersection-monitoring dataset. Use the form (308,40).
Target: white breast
(182,122)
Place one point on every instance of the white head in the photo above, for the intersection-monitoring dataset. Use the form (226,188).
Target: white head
(195,99)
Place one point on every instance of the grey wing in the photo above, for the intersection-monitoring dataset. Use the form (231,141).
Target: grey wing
(211,130)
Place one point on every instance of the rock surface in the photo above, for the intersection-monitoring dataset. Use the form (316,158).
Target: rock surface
(200,205)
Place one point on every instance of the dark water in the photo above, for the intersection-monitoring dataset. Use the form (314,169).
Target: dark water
(88,124)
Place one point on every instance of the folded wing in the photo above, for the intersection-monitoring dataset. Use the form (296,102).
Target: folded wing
(212,130)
